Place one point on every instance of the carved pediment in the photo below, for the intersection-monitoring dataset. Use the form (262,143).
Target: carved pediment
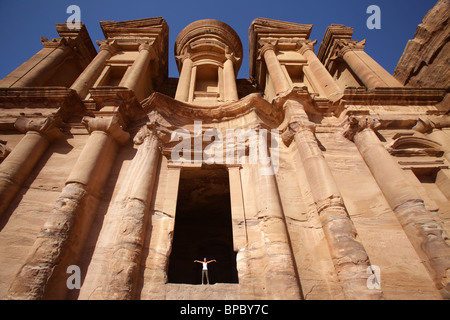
(409,146)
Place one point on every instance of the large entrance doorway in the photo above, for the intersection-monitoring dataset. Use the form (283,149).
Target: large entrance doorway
(203,227)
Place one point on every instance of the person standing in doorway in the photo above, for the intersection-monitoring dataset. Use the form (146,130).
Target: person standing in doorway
(205,268)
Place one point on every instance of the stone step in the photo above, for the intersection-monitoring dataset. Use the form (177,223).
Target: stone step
(217,291)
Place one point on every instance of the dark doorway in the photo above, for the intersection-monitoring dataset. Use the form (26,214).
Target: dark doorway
(203,228)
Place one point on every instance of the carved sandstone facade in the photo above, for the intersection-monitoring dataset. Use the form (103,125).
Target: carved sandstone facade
(354,193)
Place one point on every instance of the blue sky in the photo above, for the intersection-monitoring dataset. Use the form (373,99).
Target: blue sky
(24,22)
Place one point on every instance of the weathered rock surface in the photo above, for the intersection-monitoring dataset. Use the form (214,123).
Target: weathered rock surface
(426,59)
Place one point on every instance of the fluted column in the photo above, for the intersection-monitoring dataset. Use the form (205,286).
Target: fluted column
(318,70)
(88,77)
(137,71)
(280,277)
(280,83)
(424,233)
(368,70)
(184,82)
(16,168)
(349,256)
(230,89)
(60,241)
(123,269)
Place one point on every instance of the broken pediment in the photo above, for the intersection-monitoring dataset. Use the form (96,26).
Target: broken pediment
(408,146)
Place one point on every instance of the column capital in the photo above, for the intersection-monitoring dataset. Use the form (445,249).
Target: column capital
(55,43)
(229,55)
(344,46)
(265,46)
(48,127)
(109,125)
(108,45)
(148,46)
(297,123)
(357,124)
(148,130)
(304,45)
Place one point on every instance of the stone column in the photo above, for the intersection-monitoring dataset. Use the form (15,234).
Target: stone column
(349,256)
(318,70)
(280,277)
(40,67)
(229,78)
(60,241)
(16,168)
(88,77)
(237,209)
(123,269)
(184,82)
(424,233)
(137,71)
(276,73)
(368,70)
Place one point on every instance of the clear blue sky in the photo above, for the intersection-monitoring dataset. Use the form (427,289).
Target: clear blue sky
(24,22)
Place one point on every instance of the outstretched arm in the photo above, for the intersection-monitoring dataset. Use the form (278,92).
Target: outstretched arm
(197,261)
(211,261)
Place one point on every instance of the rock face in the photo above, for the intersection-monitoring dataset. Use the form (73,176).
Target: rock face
(320,177)
(426,58)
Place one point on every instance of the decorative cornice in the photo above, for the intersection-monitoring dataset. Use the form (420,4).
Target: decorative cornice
(66,101)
